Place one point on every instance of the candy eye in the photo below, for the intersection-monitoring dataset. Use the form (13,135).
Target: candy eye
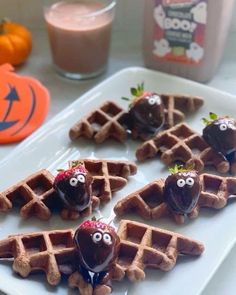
(190,181)
(107,239)
(180,182)
(97,237)
(81,178)
(223,127)
(73,181)
(152,100)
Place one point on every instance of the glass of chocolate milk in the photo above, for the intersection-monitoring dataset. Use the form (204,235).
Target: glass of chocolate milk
(79,34)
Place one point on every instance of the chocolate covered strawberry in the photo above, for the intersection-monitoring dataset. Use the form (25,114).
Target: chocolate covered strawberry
(181,190)
(97,247)
(73,186)
(146,112)
(220,134)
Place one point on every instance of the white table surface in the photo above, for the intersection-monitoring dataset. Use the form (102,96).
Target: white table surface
(126,51)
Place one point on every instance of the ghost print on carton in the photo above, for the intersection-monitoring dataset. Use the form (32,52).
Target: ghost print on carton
(179,29)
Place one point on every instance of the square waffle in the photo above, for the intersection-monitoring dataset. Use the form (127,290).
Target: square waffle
(34,195)
(102,123)
(177,105)
(182,144)
(49,252)
(148,202)
(143,246)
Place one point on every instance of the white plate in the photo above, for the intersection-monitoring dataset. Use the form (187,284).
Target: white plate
(51,148)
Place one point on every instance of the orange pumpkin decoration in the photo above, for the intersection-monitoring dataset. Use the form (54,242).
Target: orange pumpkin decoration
(15,43)
(24,104)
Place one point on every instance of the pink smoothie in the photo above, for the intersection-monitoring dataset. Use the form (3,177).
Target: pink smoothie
(79,42)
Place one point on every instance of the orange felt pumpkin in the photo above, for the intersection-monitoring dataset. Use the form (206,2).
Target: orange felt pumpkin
(24,104)
(15,43)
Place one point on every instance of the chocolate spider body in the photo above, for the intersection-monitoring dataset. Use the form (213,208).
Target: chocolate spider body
(97,248)
(181,191)
(221,136)
(146,115)
(74,189)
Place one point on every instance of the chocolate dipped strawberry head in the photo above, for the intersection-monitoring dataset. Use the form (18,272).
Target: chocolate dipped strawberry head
(73,186)
(220,134)
(146,112)
(182,189)
(97,244)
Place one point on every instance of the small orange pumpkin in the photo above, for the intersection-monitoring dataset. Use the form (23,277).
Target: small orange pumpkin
(15,43)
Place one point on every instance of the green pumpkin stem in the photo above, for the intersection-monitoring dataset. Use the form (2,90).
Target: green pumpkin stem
(2,23)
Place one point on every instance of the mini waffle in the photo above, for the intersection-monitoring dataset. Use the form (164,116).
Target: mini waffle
(182,144)
(49,252)
(149,204)
(33,195)
(144,246)
(108,176)
(176,106)
(104,122)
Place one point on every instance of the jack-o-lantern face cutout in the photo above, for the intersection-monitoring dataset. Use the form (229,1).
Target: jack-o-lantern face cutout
(24,104)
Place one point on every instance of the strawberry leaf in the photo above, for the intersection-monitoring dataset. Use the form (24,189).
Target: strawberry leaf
(140,89)
(181,169)
(125,98)
(213,116)
(142,86)
(134,91)
(206,121)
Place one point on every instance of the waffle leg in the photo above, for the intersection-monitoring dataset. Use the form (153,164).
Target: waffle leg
(76,281)
(22,266)
(102,290)
(194,213)
(95,202)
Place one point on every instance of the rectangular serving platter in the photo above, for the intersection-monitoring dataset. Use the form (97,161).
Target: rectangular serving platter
(51,148)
